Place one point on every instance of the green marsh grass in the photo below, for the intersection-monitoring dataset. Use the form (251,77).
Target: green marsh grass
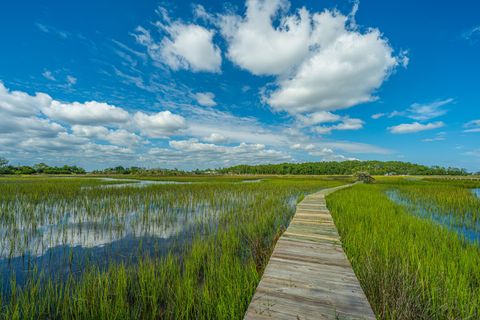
(410,267)
(225,231)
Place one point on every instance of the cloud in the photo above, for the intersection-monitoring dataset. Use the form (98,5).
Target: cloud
(472,35)
(473,153)
(93,150)
(350,124)
(342,73)
(201,14)
(195,154)
(49,29)
(21,104)
(419,111)
(345,124)
(215,138)
(305,147)
(438,137)
(254,44)
(415,127)
(428,111)
(229,155)
(317,118)
(88,113)
(205,99)
(29,133)
(396,113)
(117,137)
(47,74)
(38,128)
(71,80)
(377,116)
(472,126)
(29,125)
(183,46)
(355,147)
(205,121)
(328,154)
(20,118)
(129,50)
(159,125)
(323,62)
(42,27)
(322,117)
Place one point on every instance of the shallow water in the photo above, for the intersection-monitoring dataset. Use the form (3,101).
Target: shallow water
(476,192)
(137,182)
(446,220)
(252,181)
(145,183)
(62,261)
(60,237)
(68,246)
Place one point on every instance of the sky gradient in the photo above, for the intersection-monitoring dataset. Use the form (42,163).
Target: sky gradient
(201,84)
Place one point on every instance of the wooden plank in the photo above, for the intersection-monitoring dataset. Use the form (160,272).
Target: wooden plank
(308,275)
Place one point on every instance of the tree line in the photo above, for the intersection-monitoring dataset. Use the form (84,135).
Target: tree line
(144,171)
(308,168)
(344,168)
(40,168)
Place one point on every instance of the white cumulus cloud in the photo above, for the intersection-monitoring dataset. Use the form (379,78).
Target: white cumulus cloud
(318,118)
(205,153)
(119,137)
(205,99)
(18,103)
(89,113)
(322,60)
(415,127)
(215,138)
(183,46)
(256,45)
(159,125)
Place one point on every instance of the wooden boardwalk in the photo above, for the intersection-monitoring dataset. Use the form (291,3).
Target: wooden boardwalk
(308,275)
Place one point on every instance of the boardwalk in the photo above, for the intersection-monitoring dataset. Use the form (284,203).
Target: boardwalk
(308,275)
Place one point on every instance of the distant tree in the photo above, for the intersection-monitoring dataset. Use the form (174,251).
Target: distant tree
(24,170)
(40,167)
(3,162)
(365,177)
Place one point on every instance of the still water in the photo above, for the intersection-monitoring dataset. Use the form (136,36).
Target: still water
(471,234)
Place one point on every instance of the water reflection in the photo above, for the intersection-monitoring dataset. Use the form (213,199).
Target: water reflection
(62,261)
(476,192)
(449,221)
(61,235)
(88,232)
(252,181)
(138,183)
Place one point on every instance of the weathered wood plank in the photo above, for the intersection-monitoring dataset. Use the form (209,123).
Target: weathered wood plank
(308,275)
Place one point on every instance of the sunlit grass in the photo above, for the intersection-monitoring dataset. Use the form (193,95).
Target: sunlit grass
(410,267)
(213,273)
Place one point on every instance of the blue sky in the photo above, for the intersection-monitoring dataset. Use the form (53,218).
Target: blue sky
(203,84)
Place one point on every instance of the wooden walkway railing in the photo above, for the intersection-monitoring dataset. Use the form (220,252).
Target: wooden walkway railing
(308,275)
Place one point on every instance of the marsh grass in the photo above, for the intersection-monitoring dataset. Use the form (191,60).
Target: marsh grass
(451,198)
(227,231)
(410,267)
